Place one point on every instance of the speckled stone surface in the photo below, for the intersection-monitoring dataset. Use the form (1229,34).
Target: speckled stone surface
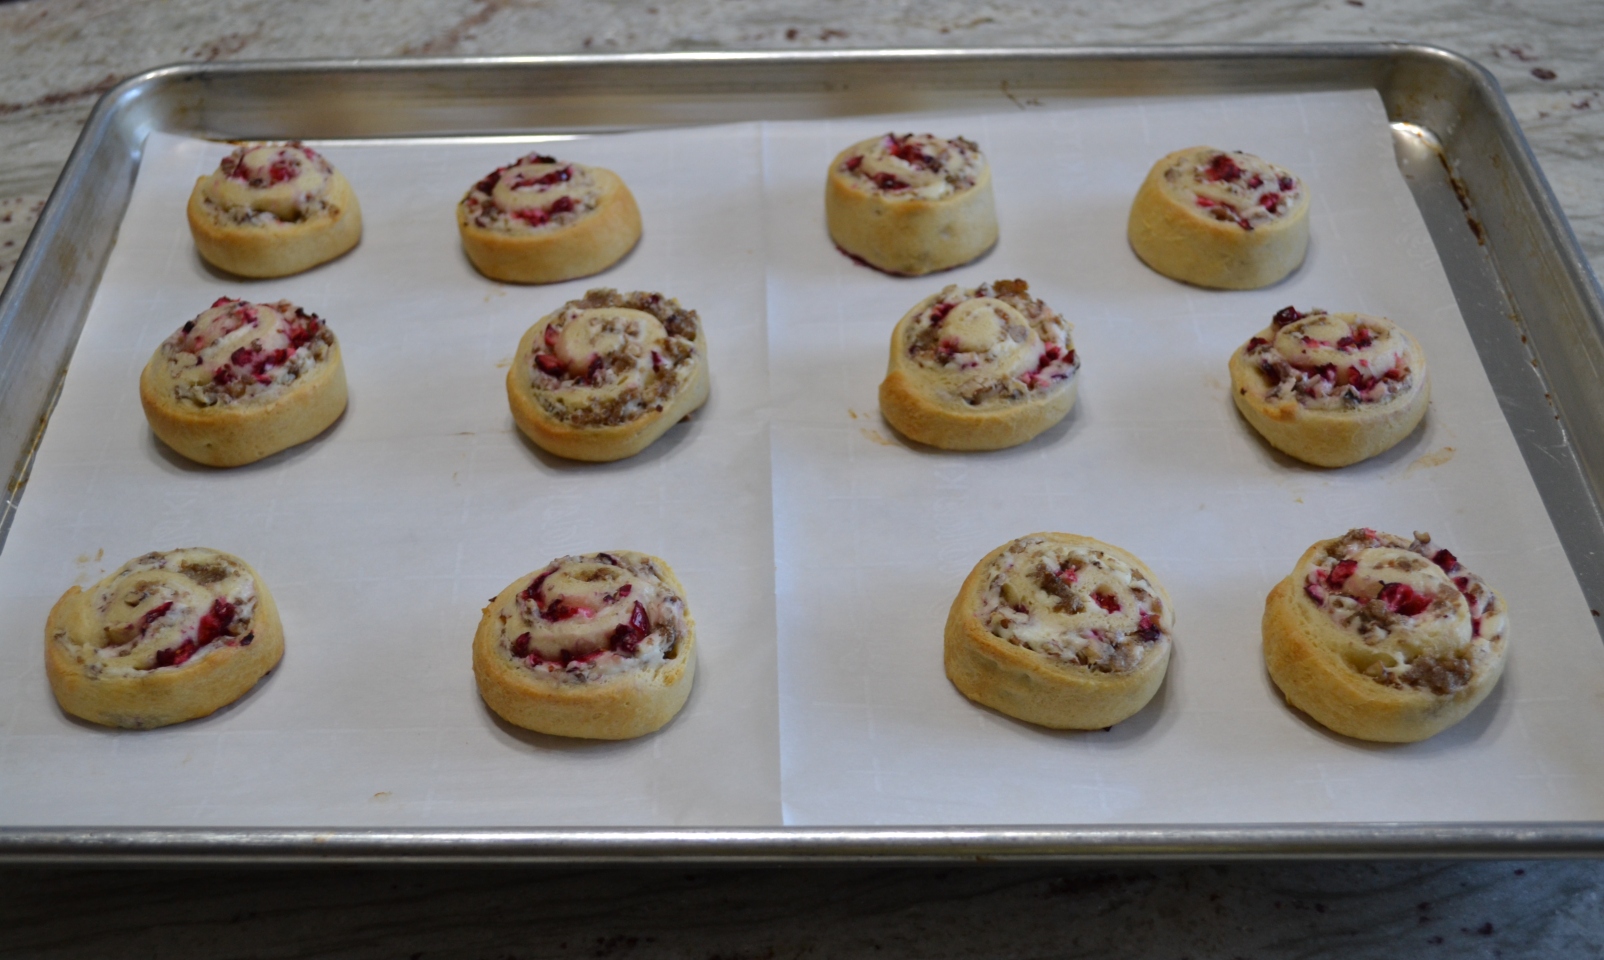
(57,56)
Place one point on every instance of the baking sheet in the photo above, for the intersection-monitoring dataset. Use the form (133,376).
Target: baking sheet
(875,535)
(383,539)
(424,493)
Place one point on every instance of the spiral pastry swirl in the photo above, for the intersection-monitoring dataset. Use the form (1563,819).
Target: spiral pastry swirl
(599,646)
(541,220)
(273,209)
(1060,630)
(979,369)
(243,381)
(169,637)
(1331,388)
(1219,218)
(604,376)
(1382,638)
(911,204)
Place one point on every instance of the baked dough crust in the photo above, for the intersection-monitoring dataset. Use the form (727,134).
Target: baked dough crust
(1227,220)
(271,210)
(1331,389)
(243,381)
(599,646)
(1419,643)
(979,369)
(911,204)
(1077,650)
(604,376)
(167,638)
(541,221)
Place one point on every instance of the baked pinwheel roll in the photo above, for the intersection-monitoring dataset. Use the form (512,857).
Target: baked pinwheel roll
(1220,219)
(273,209)
(979,369)
(602,377)
(599,646)
(541,220)
(1382,638)
(1331,388)
(167,638)
(243,381)
(911,204)
(1060,630)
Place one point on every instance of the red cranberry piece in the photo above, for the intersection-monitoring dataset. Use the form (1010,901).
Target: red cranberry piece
(1463,583)
(1360,382)
(627,636)
(1327,372)
(222,301)
(1362,338)
(1475,627)
(1286,184)
(886,181)
(1222,167)
(534,217)
(1255,343)
(1316,592)
(1255,182)
(1340,573)
(532,592)
(550,336)
(563,205)
(520,646)
(1107,601)
(910,153)
(1396,373)
(1069,358)
(1207,203)
(1148,629)
(1288,315)
(939,312)
(283,170)
(1069,574)
(175,656)
(1402,598)
(152,615)
(853,163)
(214,622)
(223,376)
(1270,202)
(488,184)
(1446,560)
(549,364)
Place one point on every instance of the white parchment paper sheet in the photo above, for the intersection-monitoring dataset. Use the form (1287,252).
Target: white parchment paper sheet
(875,535)
(384,538)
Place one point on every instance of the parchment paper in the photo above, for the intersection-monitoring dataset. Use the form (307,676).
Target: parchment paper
(384,538)
(827,587)
(875,535)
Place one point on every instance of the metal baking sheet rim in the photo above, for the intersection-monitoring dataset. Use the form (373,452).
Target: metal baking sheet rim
(43,307)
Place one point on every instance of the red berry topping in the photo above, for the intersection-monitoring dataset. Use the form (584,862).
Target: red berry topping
(153,614)
(627,636)
(1107,601)
(1222,167)
(886,181)
(1068,574)
(1402,598)
(854,163)
(1147,628)
(1447,561)
(1288,315)
(1286,184)
(548,363)
(1340,573)
(520,646)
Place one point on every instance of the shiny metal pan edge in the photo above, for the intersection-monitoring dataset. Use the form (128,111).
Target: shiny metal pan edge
(1528,296)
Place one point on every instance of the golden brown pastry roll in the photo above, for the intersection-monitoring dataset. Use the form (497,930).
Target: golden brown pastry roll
(1382,638)
(273,209)
(167,638)
(600,646)
(1217,218)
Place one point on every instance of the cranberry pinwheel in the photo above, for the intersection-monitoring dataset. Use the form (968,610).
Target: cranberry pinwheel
(167,638)
(1222,219)
(243,381)
(911,204)
(1331,388)
(1060,630)
(979,369)
(605,375)
(273,209)
(1382,638)
(541,220)
(598,646)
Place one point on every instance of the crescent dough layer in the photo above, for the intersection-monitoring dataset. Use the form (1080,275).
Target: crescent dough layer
(610,654)
(1197,219)
(979,369)
(272,210)
(167,638)
(596,221)
(604,376)
(1383,674)
(911,205)
(304,394)
(1075,662)
(1372,398)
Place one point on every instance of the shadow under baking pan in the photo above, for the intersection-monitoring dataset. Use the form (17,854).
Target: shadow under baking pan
(1053,435)
(164,456)
(665,445)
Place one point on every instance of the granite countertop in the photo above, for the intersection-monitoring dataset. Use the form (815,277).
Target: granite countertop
(58,56)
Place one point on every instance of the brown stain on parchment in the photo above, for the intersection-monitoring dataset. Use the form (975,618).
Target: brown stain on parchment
(1435,458)
(875,436)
